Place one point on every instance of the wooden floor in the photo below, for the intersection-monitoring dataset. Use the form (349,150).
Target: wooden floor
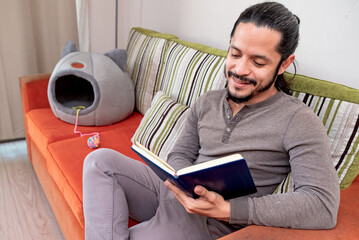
(24,210)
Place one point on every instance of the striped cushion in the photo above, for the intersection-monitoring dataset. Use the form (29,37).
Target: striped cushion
(161,125)
(145,52)
(286,185)
(191,70)
(341,119)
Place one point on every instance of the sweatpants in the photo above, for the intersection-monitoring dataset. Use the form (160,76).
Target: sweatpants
(116,187)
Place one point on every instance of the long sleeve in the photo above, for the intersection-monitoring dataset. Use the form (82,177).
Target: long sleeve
(315,200)
(275,136)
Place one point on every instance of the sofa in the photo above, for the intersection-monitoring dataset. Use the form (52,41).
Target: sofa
(168,75)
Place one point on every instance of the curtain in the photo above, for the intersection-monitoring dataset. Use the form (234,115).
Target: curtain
(83,24)
(33,33)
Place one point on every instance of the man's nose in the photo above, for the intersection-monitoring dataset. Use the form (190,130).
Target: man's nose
(242,67)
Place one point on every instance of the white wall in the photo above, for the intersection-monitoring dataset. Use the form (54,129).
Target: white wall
(328,47)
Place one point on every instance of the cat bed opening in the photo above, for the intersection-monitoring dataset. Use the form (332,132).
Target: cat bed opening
(73,91)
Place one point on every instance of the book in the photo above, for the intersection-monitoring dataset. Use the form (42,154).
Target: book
(228,176)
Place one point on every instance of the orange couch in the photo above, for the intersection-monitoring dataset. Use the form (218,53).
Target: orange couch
(57,155)
(60,172)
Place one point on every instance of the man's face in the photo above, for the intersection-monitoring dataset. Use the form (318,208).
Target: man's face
(252,62)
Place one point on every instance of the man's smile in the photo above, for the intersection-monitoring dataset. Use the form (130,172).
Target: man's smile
(240,79)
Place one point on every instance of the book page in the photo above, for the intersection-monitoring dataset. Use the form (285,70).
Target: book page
(154,156)
(212,163)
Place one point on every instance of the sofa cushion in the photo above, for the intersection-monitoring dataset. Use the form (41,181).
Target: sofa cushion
(44,128)
(341,119)
(67,156)
(161,125)
(338,107)
(145,51)
(190,70)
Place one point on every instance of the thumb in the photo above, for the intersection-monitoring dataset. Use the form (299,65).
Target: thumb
(201,191)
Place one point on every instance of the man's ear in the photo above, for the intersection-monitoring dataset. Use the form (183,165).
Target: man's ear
(286,63)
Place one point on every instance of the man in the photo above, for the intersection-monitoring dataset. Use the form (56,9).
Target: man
(274,132)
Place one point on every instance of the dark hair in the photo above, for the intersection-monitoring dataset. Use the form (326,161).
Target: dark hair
(277,17)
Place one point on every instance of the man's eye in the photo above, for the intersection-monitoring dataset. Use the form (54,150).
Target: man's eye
(258,64)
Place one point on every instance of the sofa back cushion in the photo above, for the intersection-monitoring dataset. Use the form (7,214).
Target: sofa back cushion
(181,69)
(338,107)
(189,70)
(145,52)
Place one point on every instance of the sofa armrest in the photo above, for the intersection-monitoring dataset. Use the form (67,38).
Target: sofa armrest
(34,91)
(348,221)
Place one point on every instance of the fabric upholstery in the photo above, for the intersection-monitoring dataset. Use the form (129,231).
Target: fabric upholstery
(70,225)
(65,167)
(44,128)
(161,125)
(190,70)
(145,52)
(34,90)
(341,119)
(338,107)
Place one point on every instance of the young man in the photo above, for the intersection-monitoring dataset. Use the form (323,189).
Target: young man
(274,132)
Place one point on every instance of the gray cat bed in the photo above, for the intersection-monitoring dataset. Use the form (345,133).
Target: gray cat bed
(97,84)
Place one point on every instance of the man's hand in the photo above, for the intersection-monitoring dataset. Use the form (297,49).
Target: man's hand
(209,203)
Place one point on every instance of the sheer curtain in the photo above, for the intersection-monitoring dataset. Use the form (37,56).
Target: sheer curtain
(83,24)
(33,33)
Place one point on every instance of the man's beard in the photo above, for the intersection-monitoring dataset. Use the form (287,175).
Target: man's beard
(242,99)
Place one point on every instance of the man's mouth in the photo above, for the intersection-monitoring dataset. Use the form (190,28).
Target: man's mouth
(241,79)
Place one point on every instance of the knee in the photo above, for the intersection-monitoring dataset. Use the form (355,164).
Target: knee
(99,159)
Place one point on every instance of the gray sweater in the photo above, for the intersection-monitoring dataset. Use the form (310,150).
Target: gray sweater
(275,136)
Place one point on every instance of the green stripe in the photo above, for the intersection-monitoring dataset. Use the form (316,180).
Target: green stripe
(353,171)
(322,88)
(287,182)
(334,117)
(327,112)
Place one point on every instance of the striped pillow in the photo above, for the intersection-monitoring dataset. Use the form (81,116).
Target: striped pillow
(286,185)
(191,70)
(145,52)
(161,125)
(341,119)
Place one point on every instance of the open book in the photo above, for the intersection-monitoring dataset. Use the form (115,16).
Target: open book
(229,176)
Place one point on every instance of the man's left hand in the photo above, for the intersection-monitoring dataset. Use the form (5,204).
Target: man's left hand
(209,203)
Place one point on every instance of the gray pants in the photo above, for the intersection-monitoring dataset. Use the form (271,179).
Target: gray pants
(116,187)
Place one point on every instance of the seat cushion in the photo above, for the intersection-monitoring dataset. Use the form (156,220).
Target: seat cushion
(67,156)
(44,128)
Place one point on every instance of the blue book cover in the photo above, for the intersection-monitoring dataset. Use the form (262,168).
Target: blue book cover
(229,176)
